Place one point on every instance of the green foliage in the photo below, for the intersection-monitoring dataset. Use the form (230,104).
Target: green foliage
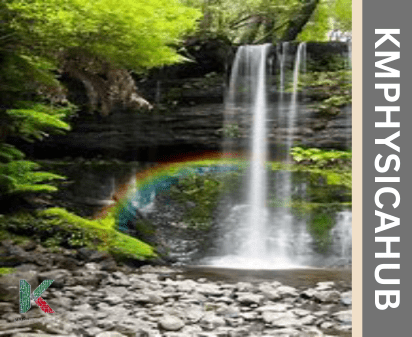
(334,165)
(9,152)
(23,176)
(261,21)
(22,73)
(36,35)
(247,21)
(342,15)
(319,25)
(319,226)
(130,33)
(329,14)
(115,242)
(56,227)
(330,90)
(334,175)
(328,63)
(319,157)
(31,120)
(231,131)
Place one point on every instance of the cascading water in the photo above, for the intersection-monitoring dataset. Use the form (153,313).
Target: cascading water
(342,236)
(257,184)
(260,239)
(247,92)
(252,234)
(293,105)
(284,190)
(282,53)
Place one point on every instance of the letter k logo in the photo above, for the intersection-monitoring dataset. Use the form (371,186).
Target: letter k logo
(25,296)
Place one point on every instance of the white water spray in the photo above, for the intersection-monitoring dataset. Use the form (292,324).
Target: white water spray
(257,184)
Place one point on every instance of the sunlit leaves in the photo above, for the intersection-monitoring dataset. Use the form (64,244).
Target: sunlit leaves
(319,25)
(320,157)
(342,14)
(131,33)
(329,14)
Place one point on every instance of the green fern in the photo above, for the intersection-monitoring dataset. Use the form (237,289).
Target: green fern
(319,157)
(23,176)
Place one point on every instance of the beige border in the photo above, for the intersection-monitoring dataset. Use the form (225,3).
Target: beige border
(357,167)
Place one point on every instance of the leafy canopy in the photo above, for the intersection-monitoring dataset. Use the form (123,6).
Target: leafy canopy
(36,35)
(329,14)
(248,21)
(259,21)
(129,33)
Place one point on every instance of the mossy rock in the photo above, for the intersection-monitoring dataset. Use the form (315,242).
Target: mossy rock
(56,227)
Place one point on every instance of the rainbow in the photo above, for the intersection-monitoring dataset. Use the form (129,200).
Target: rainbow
(131,199)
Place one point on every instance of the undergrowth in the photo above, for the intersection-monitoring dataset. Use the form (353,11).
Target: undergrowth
(56,227)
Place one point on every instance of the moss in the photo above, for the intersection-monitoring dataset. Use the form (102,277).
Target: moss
(204,191)
(231,131)
(320,224)
(328,191)
(56,227)
(5,271)
(145,227)
(103,229)
(327,63)
(333,176)
(330,91)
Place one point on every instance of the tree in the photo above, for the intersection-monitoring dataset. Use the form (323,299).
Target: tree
(254,21)
(329,15)
(342,14)
(38,36)
(319,24)
(298,21)
(272,21)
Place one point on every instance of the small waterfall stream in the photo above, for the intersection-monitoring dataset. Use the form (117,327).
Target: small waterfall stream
(293,105)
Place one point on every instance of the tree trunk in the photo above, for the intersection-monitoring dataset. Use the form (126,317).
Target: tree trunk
(106,86)
(299,21)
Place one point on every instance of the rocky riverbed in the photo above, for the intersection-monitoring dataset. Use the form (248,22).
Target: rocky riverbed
(92,299)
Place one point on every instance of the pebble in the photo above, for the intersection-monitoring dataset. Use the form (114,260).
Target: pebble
(141,303)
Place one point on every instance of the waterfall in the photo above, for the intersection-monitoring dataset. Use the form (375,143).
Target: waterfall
(253,235)
(235,82)
(284,189)
(342,236)
(282,53)
(293,105)
(256,239)
(257,184)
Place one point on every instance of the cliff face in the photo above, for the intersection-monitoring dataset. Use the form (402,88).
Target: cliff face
(150,136)
(188,116)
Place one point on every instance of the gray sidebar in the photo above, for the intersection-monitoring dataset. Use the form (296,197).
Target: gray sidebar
(387,202)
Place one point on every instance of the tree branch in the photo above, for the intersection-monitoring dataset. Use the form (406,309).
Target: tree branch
(299,21)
